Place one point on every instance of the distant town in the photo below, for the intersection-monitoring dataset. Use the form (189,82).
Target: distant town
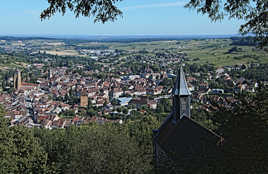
(59,83)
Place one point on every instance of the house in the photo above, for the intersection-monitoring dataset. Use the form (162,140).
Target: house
(158,90)
(117,92)
(152,104)
(145,75)
(203,86)
(217,91)
(191,88)
(132,77)
(220,70)
(155,91)
(139,90)
(28,86)
(92,91)
(139,101)
(100,102)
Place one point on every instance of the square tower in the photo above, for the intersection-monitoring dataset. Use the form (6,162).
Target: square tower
(17,80)
(83,101)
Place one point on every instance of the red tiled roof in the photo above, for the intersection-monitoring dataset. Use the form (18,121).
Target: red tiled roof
(28,84)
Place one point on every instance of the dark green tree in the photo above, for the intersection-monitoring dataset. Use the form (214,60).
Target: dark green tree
(20,151)
(93,149)
(141,131)
(244,127)
(102,10)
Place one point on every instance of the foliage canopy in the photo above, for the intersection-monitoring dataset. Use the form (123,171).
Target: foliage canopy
(20,151)
(103,10)
(244,127)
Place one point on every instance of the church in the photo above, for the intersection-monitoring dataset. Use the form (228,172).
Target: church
(19,85)
(180,143)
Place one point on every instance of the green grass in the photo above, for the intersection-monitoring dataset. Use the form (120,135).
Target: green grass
(8,62)
(216,53)
(212,51)
(138,46)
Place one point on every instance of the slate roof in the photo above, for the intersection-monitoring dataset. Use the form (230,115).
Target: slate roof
(185,137)
(181,87)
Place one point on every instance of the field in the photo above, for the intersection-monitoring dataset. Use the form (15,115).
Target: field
(10,62)
(219,52)
(213,51)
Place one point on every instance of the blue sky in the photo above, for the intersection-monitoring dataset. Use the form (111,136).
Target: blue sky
(139,17)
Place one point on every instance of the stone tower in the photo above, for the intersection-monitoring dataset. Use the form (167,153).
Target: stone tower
(17,80)
(15,76)
(83,100)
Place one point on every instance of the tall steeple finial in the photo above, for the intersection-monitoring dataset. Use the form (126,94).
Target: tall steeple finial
(181,96)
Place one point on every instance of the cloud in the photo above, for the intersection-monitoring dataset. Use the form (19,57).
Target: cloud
(157,5)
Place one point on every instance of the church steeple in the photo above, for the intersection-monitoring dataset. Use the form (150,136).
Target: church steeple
(179,137)
(181,97)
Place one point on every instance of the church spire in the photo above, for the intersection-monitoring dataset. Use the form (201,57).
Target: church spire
(181,96)
(181,87)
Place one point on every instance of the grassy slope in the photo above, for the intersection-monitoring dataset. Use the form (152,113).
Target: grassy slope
(216,52)
(208,51)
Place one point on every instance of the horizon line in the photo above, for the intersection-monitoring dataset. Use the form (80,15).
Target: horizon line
(36,35)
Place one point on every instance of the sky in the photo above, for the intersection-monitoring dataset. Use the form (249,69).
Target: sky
(165,17)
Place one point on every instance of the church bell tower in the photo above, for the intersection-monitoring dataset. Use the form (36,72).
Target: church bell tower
(17,79)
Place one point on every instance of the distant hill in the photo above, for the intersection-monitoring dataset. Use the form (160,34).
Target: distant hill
(115,38)
(15,38)
(243,41)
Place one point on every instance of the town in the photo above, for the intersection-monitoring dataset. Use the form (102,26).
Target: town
(137,87)
(53,91)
